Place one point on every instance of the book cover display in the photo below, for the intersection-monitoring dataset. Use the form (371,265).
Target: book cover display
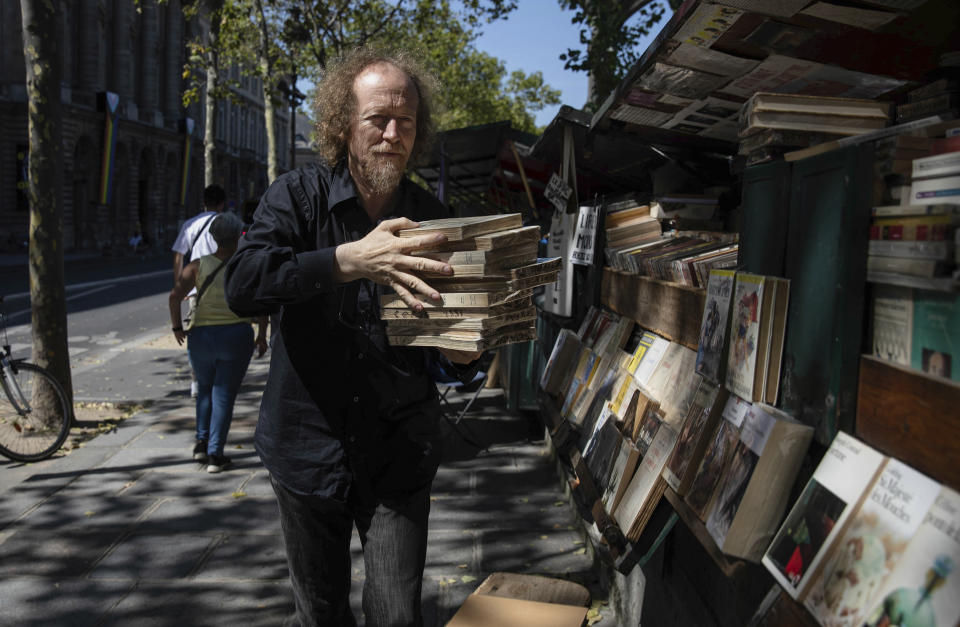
(922,589)
(876,539)
(713,328)
(821,513)
(744,334)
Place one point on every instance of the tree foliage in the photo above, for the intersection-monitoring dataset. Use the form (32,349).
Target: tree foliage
(610,31)
(476,87)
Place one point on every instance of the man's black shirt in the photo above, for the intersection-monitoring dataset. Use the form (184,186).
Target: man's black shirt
(339,403)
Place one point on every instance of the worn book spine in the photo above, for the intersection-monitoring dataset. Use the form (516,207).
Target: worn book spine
(937,165)
(915,249)
(914,210)
(452,313)
(905,265)
(460,299)
(426,325)
(463,344)
(464,228)
(937,104)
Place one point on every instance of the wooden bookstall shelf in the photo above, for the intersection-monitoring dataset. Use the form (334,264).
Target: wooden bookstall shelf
(912,416)
(728,565)
(615,548)
(668,309)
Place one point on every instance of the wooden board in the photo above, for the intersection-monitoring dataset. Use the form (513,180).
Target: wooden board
(728,565)
(668,309)
(535,588)
(826,260)
(912,416)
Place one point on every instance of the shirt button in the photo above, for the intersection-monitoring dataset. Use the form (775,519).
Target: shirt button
(353,438)
(359,355)
(317,285)
(356,399)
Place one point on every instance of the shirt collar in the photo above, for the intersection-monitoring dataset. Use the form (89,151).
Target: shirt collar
(343,190)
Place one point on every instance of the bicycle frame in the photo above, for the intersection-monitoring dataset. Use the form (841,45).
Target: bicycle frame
(10,385)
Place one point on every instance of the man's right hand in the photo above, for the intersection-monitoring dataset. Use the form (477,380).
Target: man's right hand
(384,258)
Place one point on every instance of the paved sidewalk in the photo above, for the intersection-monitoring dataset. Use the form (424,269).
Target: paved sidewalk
(128,530)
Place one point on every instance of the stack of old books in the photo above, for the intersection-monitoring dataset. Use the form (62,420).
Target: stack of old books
(487,302)
(774,124)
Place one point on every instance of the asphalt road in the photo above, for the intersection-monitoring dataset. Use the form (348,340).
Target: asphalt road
(121,348)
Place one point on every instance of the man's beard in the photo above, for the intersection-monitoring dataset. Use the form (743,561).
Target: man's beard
(381,175)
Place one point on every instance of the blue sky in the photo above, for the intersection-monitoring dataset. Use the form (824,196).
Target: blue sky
(532,38)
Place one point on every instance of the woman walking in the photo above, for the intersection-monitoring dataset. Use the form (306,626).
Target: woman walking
(219,342)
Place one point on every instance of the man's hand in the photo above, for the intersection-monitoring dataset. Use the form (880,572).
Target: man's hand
(460,357)
(384,258)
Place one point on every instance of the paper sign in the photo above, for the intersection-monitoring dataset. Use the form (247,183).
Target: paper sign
(558,296)
(557,192)
(585,238)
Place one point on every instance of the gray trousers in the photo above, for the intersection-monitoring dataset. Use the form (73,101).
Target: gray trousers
(316,534)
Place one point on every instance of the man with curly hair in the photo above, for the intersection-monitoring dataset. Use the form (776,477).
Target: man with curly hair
(349,426)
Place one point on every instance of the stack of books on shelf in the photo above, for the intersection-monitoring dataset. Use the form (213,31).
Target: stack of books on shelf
(812,114)
(487,301)
(687,212)
(870,541)
(940,96)
(913,241)
(629,226)
(917,328)
(653,414)
(770,144)
(679,258)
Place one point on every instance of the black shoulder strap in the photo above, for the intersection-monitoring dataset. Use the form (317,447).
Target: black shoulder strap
(209,280)
(200,232)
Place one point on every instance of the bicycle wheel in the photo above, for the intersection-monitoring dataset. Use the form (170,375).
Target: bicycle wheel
(35,425)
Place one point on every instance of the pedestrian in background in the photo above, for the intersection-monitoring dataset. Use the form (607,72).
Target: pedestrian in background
(219,344)
(194,241)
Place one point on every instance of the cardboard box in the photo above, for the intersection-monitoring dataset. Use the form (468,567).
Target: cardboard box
(482,610)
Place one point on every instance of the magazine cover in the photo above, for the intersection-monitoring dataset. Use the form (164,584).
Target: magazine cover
(744,334)
(713,327)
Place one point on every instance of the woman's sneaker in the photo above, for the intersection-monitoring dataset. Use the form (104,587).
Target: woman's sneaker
(200,451)
(218,463)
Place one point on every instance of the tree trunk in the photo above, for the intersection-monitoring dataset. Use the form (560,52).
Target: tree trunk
(210,119)
(269,109)
(212,56)
(48,318)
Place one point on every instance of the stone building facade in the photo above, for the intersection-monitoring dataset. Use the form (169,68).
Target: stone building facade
(111,46)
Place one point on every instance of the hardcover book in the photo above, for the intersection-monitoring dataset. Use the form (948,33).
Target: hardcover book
(821,513)
(711,356)
(753,491)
